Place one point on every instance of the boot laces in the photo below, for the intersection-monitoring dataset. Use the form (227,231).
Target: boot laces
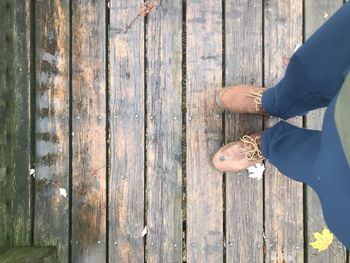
(257,95)
(252,147)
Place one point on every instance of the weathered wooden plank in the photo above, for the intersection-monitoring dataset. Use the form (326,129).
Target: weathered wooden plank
(316,13)
(89,131)
(126,103)
(283,196)
(30,255)
(52,125)
(164,133)
(244,196)
(15,51)
(203,131)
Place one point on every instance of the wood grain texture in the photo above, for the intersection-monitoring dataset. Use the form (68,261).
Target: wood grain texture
(89,131)
(316,13)
(244,195)
(283,196)
(126,199)
(164,133)
(15,141)
(204,131)
(52,125)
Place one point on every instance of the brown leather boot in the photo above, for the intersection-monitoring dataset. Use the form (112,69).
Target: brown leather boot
(241,99)
(240,155)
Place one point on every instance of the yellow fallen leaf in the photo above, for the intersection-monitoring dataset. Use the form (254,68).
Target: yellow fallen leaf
(323,240)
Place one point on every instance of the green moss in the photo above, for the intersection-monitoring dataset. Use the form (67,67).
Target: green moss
(30,255)
(14,125)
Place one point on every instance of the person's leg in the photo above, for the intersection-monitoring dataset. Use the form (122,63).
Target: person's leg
(315,71)
(292,150)
(317,159)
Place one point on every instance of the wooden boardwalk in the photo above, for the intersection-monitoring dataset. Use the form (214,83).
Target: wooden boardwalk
(108,122)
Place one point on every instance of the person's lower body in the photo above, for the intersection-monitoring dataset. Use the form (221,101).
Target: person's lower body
(312,80)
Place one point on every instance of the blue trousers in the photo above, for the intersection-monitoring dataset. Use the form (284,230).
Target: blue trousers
(313,79)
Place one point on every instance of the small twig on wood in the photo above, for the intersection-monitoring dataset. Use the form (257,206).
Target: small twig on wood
(144,10)
(333,251)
